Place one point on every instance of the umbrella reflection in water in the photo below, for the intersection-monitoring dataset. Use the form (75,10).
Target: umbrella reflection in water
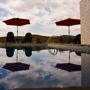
(68,66)
(18,66)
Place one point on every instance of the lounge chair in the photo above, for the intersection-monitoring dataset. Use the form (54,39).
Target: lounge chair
(28,38)
(10,37)
(77,39)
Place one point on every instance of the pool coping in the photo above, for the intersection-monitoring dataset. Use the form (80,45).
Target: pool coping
(72,47)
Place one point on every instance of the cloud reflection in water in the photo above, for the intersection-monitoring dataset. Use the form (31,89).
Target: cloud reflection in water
(42,72)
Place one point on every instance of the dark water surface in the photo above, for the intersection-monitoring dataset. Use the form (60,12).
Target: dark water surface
(46,68)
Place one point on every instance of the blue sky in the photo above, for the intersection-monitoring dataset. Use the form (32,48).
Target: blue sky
(42,14)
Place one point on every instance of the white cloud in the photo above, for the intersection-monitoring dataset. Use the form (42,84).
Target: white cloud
(42,13)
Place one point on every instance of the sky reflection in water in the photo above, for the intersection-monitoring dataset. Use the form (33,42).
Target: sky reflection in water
(42,71)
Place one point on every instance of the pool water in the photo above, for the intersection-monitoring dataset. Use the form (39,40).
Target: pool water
(42,68)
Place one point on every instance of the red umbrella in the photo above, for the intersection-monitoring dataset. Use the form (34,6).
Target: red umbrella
(68,22)
(17,22)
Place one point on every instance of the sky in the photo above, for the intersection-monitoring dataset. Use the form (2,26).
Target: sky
(42,15)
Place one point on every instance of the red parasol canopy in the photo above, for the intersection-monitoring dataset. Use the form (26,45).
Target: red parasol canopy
(17,22)
(68,22)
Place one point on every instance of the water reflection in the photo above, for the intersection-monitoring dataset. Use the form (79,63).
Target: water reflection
(10,52)
(85,62)
(3,73)
(28,51)
(42,71)
(68,66)
(16,66)
(55,51)
(78,53)
(85,70)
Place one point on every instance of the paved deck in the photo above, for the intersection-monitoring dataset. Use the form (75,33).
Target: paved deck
(72,47)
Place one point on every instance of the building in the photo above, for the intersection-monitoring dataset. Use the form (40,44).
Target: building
(85,22)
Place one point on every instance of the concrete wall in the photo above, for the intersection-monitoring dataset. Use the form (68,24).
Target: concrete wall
(85,70)
(85,21)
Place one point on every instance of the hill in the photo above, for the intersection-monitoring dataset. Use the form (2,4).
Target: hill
(44,39)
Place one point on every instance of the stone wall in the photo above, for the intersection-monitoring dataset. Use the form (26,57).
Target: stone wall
(85,22)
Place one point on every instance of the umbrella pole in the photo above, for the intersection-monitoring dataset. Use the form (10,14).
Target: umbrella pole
(69,56)
(69,33)
(17,56)
(69,30)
